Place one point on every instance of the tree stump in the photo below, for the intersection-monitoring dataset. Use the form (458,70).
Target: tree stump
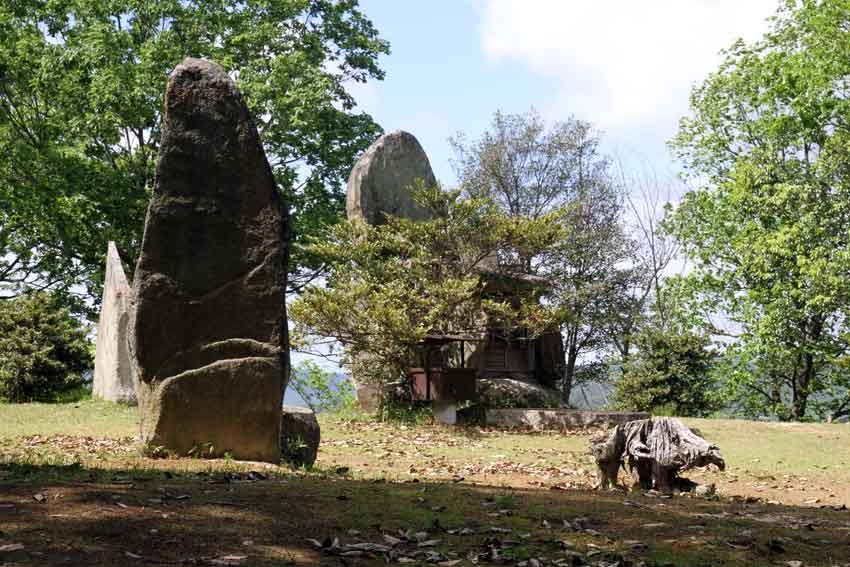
(656,452)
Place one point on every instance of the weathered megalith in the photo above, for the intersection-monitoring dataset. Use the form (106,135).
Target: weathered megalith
(300,436)
(113,379)
(379,185)
(209,332)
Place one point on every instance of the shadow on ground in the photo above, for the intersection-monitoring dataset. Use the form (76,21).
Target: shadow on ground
(76,516)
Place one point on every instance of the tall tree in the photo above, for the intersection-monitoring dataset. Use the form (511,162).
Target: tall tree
(527,168)
(389,286)
(642,301)
(591,270)
(81,87)
(768,228)
(530,170)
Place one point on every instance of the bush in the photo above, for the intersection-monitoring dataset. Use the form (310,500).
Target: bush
(44,352)
(671,374)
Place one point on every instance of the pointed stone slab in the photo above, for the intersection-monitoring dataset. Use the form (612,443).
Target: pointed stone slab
(379,184)
(209,330)
(380,181)
(113,379)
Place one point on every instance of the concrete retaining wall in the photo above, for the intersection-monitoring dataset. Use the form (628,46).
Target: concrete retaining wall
(558,418)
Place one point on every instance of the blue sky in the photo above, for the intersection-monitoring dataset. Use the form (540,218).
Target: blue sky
(625,66)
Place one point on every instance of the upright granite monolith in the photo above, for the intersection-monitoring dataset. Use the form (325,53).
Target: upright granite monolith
(113,379)
(209,330)
(379,185)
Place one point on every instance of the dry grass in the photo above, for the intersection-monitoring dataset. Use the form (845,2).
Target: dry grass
(73,491)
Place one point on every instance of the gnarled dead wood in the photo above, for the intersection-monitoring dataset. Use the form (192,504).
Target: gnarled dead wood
(656,451)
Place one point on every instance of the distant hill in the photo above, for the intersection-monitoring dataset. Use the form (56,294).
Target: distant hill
(591,395)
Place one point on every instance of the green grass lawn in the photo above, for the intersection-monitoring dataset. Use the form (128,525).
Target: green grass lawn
(84,418)
(74,471)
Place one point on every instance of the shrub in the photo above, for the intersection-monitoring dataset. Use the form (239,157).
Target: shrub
(671,374)
(321,390)
(44,352)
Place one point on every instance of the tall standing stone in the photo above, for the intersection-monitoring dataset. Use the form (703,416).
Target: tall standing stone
(380,181)
(209,331)
(380,184)
(113,379)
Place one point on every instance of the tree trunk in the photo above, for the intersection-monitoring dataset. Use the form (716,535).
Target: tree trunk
(655,451)
(801,389)
(624,354)
(570,371)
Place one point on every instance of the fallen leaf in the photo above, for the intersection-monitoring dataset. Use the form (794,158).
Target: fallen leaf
(636,545)
(229,560)
(495,530)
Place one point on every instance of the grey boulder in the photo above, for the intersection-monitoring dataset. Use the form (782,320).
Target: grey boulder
(511,393)
(380,182)
(300,435)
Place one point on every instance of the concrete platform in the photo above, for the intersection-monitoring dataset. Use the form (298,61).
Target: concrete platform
(558,418)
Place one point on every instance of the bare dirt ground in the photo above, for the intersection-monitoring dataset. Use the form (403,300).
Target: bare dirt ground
(73,491)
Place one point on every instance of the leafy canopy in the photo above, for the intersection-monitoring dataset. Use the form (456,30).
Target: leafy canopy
(532,170)
(81,94)
(768,229)
(391,285)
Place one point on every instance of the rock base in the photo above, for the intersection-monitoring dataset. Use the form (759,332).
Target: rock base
(195,412)
(300,435)
(510,393)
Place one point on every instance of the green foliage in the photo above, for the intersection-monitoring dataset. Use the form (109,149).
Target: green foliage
(320,389)
(670,374)
(768,229)
(391,285)
(405,412)
(81,95)
(533,170)
(292,451)
(43,350)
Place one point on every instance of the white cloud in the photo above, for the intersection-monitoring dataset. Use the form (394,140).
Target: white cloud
(626,65)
